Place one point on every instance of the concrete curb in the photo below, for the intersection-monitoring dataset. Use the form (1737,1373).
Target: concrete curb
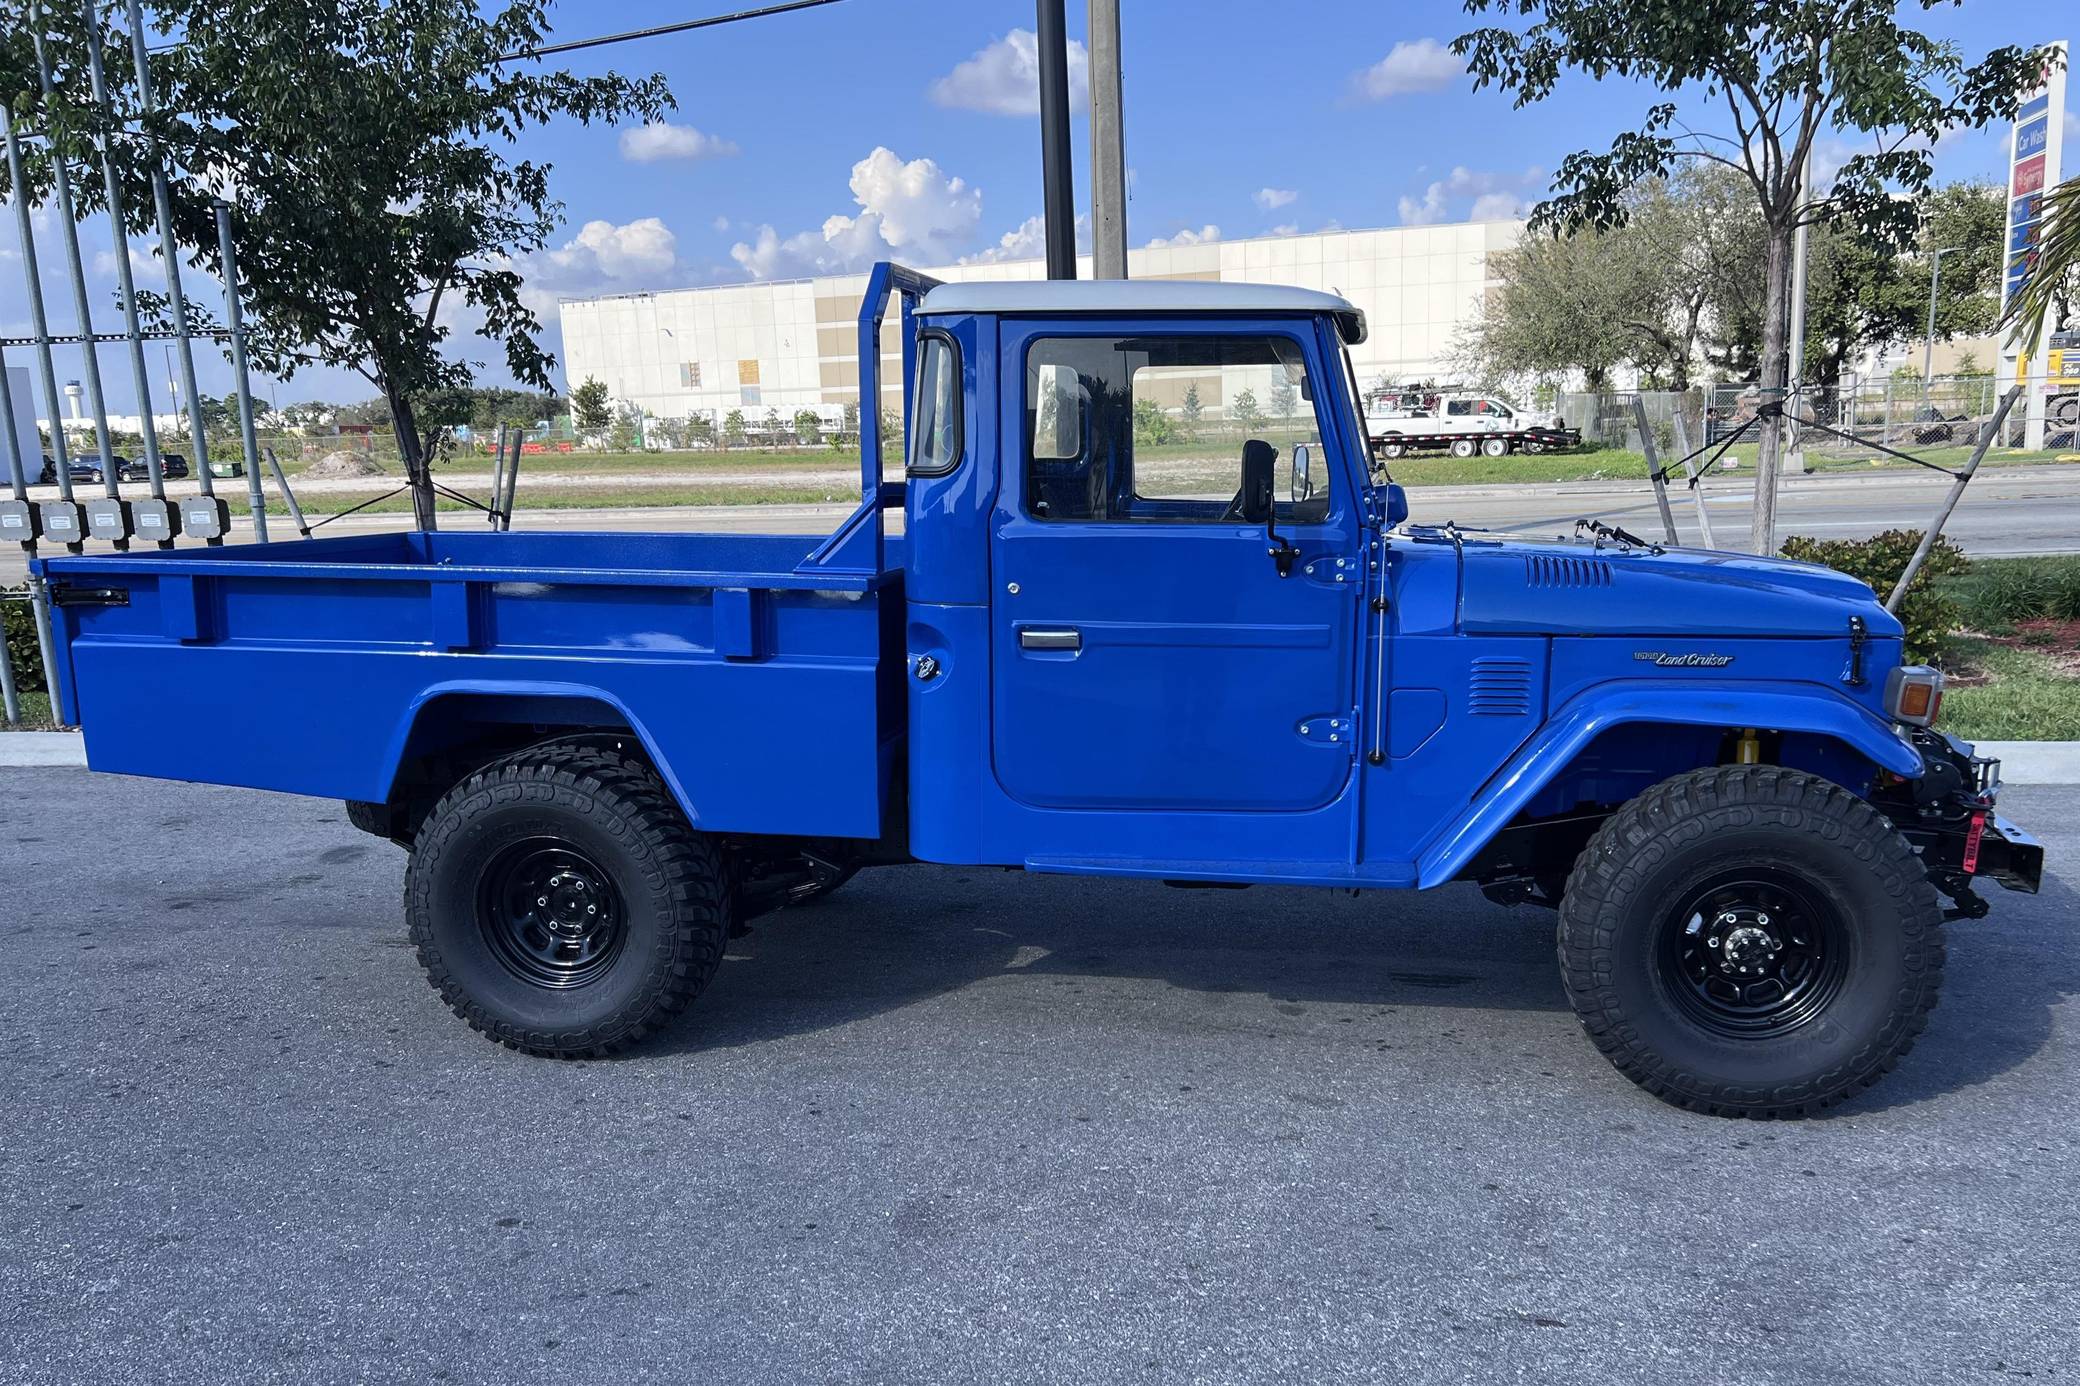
(2022,762)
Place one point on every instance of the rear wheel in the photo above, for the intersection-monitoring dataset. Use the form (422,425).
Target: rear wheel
(562,905)
(1751,941)
(1464,447)
(1496,447)
(1392,448)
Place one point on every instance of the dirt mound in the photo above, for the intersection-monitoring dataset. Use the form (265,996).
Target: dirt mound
(342,463)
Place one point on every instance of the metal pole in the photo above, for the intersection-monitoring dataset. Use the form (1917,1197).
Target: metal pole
(498,475)
(1935,283)
(40,328)
(126,287)
(274,464)
(1696,487)
(1646,445)
(10,699)
(1056,177)
(1108,146)
(1935,529)
(162,205)
(61,189)
(234,318)
(505,509)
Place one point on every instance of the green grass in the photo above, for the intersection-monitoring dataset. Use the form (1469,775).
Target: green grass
(592,498)
(2027,696)
(36,714)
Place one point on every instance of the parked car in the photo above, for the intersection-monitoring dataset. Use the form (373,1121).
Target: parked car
(172,466)
(604,753)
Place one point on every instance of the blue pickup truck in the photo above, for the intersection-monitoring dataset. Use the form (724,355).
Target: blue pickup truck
(1135,624)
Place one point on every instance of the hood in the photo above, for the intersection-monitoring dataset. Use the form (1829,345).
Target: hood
(1579,589)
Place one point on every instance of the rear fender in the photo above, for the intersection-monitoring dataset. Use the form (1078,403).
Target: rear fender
(444,714)
(1774,706)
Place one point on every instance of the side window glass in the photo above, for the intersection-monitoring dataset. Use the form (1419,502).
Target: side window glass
(935,420)
(1457,408)
(1152,428)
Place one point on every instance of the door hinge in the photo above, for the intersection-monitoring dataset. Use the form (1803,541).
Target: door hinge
(1330,730)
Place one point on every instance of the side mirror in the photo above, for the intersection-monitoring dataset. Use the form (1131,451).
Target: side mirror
(1397,504)
(1301,485)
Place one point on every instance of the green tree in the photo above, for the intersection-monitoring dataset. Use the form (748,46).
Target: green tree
(592,408)
(1283,398)
(1151,425)
(627,433)
(1246,412)
(700,431)
(367,144)
(1786,72)
(808,426)
(733,428)
(1193,409)
(772,427)
(1970,220)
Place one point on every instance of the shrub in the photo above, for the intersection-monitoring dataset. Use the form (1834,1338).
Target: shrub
(22,650)
(1927,612)
(2002,592)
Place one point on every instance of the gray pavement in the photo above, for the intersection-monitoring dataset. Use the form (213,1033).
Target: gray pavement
(961,1125)
(2006,511)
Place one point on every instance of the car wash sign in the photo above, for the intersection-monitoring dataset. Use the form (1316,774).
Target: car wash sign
(2033,157)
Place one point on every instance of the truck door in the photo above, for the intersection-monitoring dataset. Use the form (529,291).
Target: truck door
(1147,653)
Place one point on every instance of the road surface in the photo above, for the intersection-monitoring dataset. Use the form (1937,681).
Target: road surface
(2007,510)
(970,1126)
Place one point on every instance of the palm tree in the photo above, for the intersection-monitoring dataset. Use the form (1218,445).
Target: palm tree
(2054,278)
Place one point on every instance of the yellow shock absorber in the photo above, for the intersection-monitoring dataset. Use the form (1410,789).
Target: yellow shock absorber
(1748,750)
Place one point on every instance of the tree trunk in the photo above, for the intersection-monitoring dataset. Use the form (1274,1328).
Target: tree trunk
(417,474)
(1776,342)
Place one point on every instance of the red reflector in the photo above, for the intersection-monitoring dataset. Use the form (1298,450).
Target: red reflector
(1971,843)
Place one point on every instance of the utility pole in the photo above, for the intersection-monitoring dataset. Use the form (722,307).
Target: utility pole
(1801,241)
(1935,283)
(1108,146)
(1056,175)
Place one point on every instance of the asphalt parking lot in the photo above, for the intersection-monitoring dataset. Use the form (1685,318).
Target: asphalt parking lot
(959,1125)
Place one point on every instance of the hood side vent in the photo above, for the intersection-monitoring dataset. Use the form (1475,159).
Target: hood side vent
(1500,687)
(1553,570)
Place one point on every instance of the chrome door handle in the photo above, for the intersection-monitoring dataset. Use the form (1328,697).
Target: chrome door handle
(1050,638)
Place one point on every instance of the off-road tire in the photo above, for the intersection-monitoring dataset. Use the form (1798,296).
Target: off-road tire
(670,879)
(1626,887)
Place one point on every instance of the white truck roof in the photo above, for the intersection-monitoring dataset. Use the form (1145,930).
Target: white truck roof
(1126,296)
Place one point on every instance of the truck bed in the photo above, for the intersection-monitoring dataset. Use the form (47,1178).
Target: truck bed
(760,683)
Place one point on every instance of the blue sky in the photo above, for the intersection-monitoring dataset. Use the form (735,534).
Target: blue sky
(825,138)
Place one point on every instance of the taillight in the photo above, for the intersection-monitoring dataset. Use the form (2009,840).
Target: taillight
(1914,694)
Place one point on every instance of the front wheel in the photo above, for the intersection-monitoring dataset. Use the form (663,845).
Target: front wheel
(1751,941)
(1391,449)
(562,905)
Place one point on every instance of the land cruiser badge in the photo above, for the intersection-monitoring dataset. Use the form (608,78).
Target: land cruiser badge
(1682,661)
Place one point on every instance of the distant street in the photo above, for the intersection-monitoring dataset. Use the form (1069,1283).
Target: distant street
(2007,511)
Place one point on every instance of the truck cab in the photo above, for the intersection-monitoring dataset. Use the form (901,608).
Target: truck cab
(1104,639)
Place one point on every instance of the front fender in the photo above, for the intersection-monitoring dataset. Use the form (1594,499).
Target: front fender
(1777,706)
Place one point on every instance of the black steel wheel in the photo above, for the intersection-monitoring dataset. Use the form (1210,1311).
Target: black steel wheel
(562,904)
(550,914)
(1751,941)
(1753,951)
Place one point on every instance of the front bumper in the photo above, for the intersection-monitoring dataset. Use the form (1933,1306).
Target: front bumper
(1952,823)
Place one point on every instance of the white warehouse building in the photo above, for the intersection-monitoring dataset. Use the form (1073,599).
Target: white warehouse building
(794,344)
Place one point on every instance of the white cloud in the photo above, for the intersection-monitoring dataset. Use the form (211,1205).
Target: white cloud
(662,141)
(1496,196)
(913,209)
(601,258)
(1028,241)
(1271,199)
(1424,65)
(1498,206)
(1286,228)
(721,223)
(1202,236)
(141,262)
(1004,78)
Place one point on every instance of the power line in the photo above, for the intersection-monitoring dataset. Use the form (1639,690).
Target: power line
(662,29)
